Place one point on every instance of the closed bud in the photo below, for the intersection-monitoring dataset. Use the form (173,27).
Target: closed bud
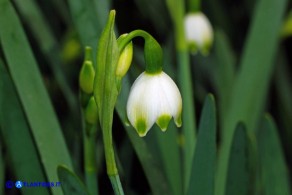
(125,58)
(86,77)
(91,113)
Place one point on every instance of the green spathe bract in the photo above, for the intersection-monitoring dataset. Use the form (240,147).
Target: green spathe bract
(105,94)
(105,90)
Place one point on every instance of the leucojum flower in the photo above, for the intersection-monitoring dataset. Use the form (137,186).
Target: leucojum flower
(198,32)
(154,97)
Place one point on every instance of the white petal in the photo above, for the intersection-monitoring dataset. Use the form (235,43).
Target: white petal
(198,29)
(153,98)
(141,102)
(172,95)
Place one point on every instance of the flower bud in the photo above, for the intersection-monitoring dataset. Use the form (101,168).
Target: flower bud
(86,77)
(91,112)
(286,30)
(125,58)
(199,32)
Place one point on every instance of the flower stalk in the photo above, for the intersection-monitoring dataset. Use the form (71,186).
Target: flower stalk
(90,158)
(177,12)
(113,61)
(106,93)
(90,119)
(194,5)
(152,51)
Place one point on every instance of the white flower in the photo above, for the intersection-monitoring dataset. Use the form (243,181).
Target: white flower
(153,98)
(199,32)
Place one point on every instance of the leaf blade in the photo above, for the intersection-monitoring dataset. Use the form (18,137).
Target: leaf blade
(203,171)
(274,172)
(255,67)
(237,176)
(70,183)
(18,139)
(34,98)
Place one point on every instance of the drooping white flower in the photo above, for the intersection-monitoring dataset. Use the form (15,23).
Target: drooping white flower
(199,32)
(153,98)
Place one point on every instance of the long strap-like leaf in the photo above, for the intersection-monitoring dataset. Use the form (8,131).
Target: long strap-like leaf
(33,95)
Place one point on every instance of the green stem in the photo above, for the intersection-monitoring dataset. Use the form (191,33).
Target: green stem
(185,83)
(122,43)
(152,51)
(108,146)
(189,119)
(116,183)
(90,159)
(112,170)
(106,93)
(194,5)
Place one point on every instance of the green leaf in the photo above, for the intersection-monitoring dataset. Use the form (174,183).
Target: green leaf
(237,176)
(86,22)
(70,182)
(255,68)
(203,165)
(148,8)
(2,165)
(48,45)
(284,93)
(224,71)
(273,168)
(17,136)
(33,95)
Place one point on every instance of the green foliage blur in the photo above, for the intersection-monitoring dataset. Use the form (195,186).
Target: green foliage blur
(242,93)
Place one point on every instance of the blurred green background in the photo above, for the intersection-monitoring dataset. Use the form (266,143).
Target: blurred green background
(248,71)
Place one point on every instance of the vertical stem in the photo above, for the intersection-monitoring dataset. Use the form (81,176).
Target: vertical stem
(189,119)
(112,170)
(90,159)
(185,83)
(194,5)
(116,183)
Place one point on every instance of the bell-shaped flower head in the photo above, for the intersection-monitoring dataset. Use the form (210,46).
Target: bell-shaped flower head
(153,98)
(199,32)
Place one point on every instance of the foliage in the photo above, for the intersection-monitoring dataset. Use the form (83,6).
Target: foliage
(234,148)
